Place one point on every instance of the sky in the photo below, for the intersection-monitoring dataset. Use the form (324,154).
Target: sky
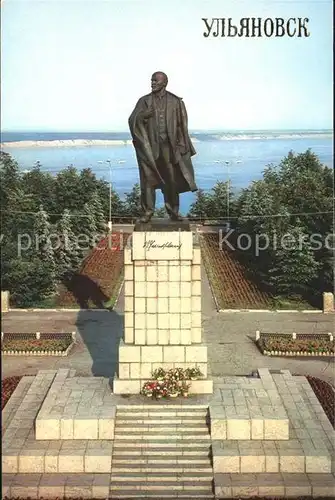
(81,65)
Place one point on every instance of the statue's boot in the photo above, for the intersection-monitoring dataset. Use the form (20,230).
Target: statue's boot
(176,217)
(145,218)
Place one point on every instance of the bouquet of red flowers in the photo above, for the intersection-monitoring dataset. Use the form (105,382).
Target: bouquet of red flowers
(155,388)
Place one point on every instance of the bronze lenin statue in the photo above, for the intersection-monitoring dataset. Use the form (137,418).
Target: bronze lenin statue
(158,126)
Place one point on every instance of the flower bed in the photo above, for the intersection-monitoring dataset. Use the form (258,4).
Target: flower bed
(33,346)
(272,345)
(8,386)
(231,285)
(326,396)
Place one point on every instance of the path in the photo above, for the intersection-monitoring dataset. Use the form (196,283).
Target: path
(229,337)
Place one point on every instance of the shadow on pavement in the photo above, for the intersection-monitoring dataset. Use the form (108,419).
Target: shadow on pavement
(84,290)
(101,332)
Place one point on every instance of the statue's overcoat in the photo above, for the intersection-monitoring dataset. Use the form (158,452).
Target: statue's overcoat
(144,133)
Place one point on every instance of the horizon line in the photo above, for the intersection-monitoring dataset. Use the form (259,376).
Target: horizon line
(195,130)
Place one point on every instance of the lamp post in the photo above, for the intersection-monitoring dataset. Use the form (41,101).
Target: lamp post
(227,163)
(110,195)
(110,189)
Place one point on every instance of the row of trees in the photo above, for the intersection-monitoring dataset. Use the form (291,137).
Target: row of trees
(288,213)
(48,223)
(294,198)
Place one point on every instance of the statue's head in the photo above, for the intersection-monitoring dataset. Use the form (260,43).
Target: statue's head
(159,80)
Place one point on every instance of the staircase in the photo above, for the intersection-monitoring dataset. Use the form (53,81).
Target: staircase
(162,452)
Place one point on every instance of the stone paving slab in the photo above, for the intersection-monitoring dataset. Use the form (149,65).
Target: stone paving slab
(269,456)
(15,400)
(308,421)
(77,408)
(274,485)
(56,485)
(248,408)
(281,468)
(38,486)
(22,422)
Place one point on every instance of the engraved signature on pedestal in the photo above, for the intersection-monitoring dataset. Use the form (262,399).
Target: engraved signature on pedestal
(167,244)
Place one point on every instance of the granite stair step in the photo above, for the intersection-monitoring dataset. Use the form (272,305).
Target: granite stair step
(177,468)
(191,460)
(161,411)
(166,434)
(161,414)
(135,428)
(159,443)
(172,451)
(158,405)
(161,485)
(161,420)
(135,475)
(147,494)
(162,453)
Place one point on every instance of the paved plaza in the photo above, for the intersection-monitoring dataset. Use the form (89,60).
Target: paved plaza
(261,433)
(229,337)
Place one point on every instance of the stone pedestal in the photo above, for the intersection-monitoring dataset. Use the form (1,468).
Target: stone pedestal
(162,306)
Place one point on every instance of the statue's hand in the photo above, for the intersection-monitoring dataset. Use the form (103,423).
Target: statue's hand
(148,113)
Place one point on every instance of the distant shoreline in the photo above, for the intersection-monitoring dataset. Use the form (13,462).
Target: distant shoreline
(126,142)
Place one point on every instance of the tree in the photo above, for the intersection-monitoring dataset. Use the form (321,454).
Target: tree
(160,212)
(96,205)
(15,202)
(88,226)
(133,202)
(88,184)
(43,245)
(28,282)
(213,204)
(41,187)
(201,206)
(117,205)
(67,255)
(218,205)
(271,206)
(9,176)
(293,264)
(304,185)
(68,190)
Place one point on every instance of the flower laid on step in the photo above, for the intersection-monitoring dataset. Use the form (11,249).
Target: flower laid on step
(185,388)
(161,389)
(159,374)
(193,373)
(149,388)
(174,387)
(155,388)
(175,374)
(170,383)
